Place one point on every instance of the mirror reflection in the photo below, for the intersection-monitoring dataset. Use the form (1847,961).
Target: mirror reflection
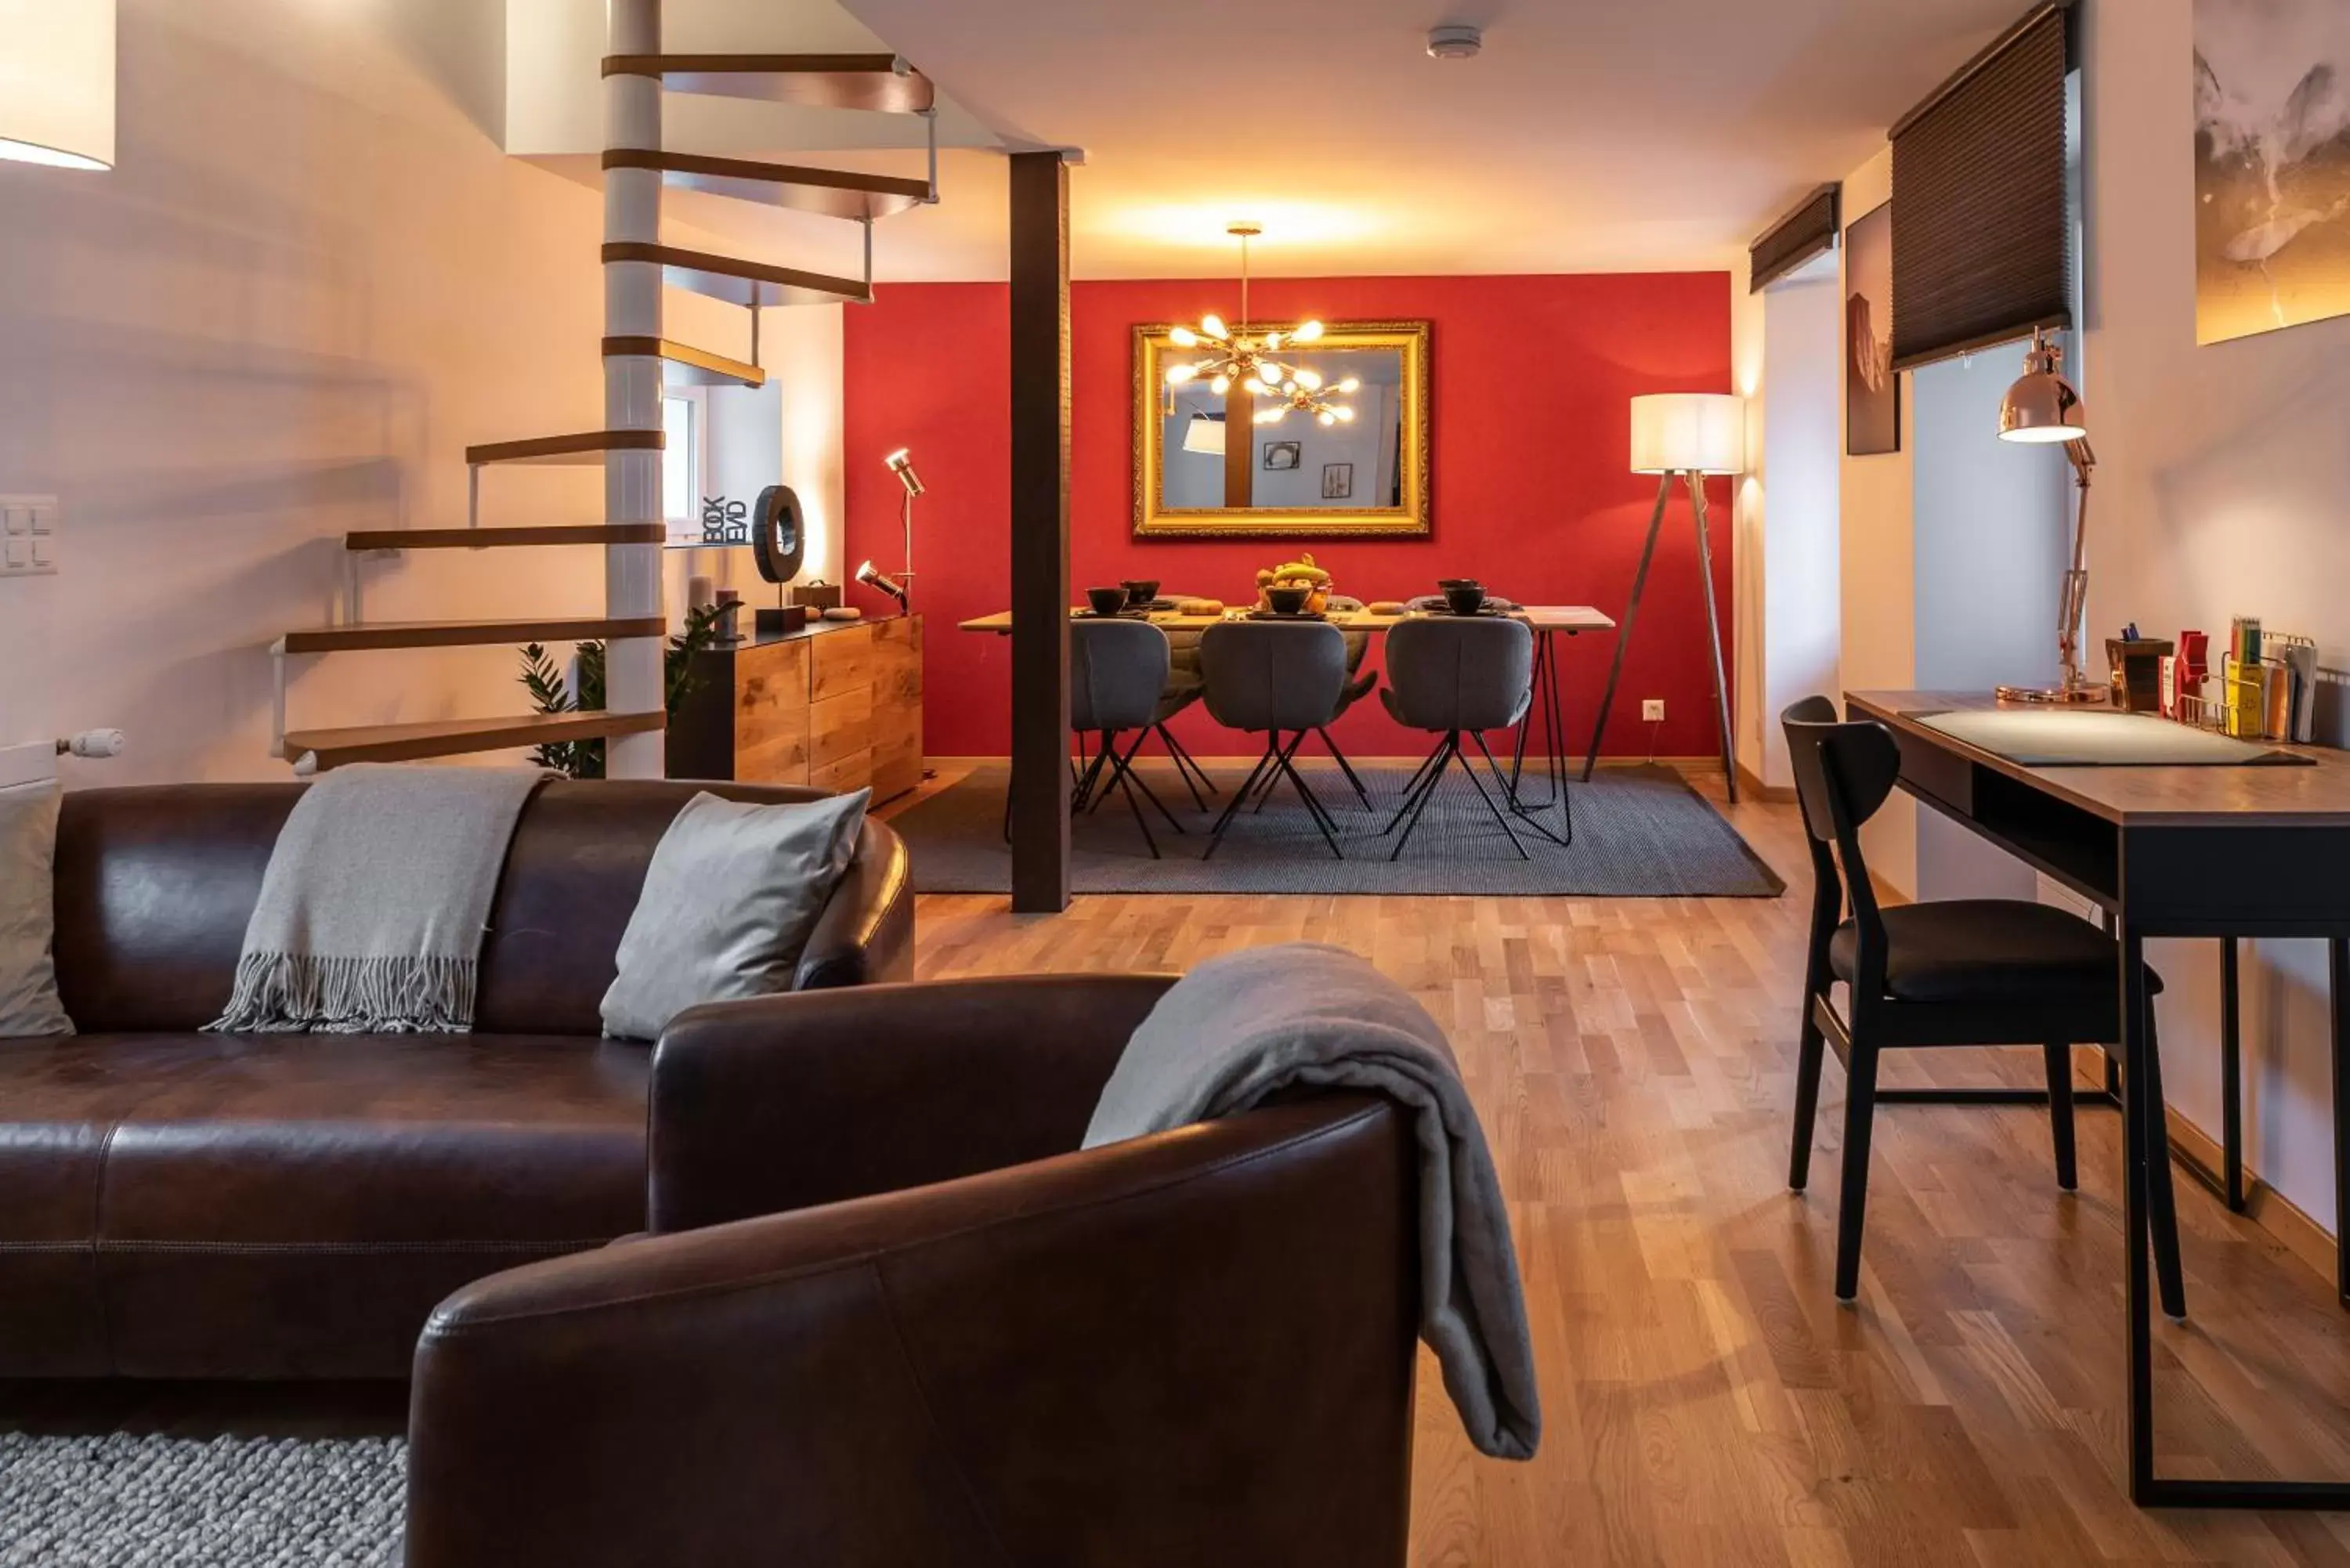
(1352,458)
(1350,461)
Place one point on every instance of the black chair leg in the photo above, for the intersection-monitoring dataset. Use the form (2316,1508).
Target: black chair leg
(1240,798)
(1126,783)
(1273,777)
(1479,783)
(1122,770)
(1185,768)
(1851,1205)
(2161,1202)
(1344,767)
(1323,820)
(1523,816)
(1445,753)
(1810,1050)
(2060,1113)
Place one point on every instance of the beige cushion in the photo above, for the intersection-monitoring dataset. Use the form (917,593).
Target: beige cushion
(28,851)
(734,890)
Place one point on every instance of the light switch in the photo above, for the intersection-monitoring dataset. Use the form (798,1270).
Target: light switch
(45,553)
(15,519)
(45,516)
(16,553)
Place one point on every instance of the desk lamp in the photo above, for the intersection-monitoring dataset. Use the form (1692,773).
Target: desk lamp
(2043,409)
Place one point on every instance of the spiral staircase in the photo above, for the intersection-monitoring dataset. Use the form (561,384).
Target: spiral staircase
(639,363)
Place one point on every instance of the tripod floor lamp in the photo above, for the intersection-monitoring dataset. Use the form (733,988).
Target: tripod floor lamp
(1685,436)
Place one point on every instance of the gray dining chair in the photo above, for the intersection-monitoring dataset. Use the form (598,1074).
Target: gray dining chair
(1274,679)
(1117,682)
(1455,676)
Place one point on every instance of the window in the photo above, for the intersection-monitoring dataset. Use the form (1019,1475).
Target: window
(682,463)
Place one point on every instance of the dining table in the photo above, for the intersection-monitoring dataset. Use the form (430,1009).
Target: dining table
(1548,622)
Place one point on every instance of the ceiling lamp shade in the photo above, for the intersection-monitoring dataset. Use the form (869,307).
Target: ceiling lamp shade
(1684,432)
(2042,407)
(56,82)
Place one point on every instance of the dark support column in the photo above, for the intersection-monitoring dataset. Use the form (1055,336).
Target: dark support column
(1040,532)
(1240,446)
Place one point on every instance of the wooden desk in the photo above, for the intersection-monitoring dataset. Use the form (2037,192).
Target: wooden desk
(2222,851)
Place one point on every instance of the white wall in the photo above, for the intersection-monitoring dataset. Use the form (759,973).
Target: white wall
(1803,369)
(312,280)
(2219,491)
(1876,566)
(1990,539)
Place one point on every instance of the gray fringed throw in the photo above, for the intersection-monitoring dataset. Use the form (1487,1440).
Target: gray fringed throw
(1242,1028)
(378,893)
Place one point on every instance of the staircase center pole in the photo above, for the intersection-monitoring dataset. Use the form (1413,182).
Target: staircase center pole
(632,387)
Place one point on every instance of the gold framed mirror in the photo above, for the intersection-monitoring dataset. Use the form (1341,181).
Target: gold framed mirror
(1296,476)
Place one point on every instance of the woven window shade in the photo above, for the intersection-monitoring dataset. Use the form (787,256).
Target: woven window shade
(1794,239)
(1981,245)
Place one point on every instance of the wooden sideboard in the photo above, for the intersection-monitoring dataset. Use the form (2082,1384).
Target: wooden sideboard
(838,706)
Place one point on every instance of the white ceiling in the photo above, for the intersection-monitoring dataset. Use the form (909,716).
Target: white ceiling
(1590,135)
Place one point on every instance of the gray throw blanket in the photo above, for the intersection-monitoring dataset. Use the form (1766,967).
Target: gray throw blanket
(1242,1028)
(373,905)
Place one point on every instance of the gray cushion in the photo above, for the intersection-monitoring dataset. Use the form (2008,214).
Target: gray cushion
(1118,672)
(28,849)
(1459,672)
(1272,675)
(729,901)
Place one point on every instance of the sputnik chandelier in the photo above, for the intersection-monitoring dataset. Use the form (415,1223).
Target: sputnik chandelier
(1246,354)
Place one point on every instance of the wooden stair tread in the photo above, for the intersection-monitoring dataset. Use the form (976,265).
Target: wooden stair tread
(684,365)
(831,192)
(819,81)
(739,282)
(393,634)
(587,447)
(496,538)
(454,737)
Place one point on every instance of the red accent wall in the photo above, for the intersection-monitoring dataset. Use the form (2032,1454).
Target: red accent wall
(1532,380)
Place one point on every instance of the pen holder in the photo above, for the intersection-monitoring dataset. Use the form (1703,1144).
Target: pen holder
(2136,664)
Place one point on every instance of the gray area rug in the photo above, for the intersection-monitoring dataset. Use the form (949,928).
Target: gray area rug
(124,1502)
(1639,833)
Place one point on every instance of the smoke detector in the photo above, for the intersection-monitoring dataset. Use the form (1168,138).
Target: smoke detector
(1455,42)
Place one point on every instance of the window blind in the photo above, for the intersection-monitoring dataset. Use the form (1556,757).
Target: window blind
(1794,239)
(1981,244)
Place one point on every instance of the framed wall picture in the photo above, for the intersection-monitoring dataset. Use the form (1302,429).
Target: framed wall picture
(1281,455)
(1872,388)
(1337,481)
(2271,165)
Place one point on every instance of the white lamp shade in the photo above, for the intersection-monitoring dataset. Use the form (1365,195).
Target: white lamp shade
(1673,433)
(1203,434)
(56,82)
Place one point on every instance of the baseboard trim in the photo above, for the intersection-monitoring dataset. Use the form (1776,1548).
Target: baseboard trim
(2264,1206)
(1754,785)
(1533,764)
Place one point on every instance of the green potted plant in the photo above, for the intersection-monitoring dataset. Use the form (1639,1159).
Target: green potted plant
(551,693)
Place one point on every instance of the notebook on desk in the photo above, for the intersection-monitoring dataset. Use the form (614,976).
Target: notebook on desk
(2069,738)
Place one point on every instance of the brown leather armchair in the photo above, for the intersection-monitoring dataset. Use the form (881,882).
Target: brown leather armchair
(177,1204)
(952,1338)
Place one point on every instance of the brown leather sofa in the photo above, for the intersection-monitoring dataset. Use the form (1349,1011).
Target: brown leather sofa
(176,1204)
(952,1339)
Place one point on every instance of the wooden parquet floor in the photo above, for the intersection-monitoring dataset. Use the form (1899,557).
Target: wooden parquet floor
(1706,1400)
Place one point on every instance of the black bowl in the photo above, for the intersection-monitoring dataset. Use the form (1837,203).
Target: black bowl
(1140,591)
(1287,601)
(1466,599)
(1106,601)
(1446,585)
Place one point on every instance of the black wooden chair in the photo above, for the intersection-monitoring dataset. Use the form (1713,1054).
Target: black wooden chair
(1968,972)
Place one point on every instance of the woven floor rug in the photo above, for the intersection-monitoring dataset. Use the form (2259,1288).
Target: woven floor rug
(124,1502)
(1639,833)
